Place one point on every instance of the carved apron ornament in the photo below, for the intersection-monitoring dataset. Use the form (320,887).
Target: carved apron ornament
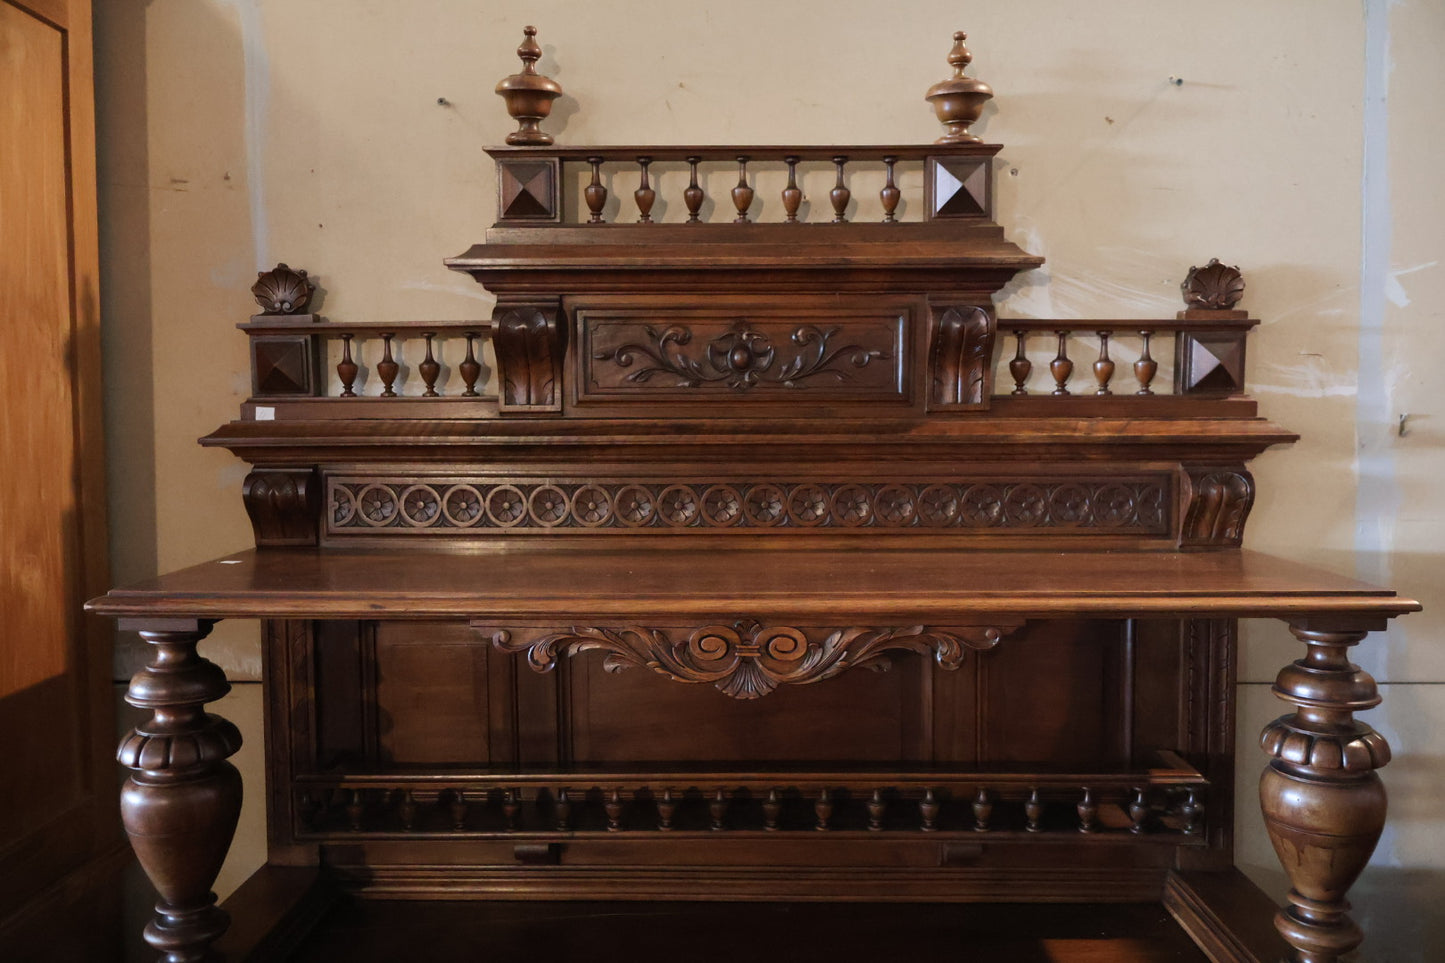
(746,660)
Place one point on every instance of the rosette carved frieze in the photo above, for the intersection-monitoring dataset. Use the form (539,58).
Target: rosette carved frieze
(747,660)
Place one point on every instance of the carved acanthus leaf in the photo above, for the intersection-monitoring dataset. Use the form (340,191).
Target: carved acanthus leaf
(747,660)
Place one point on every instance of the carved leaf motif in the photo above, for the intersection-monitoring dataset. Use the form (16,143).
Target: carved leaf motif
(746,660)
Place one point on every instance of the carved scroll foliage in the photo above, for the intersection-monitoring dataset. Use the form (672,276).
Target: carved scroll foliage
(746,660)
(741,358)
(962,346)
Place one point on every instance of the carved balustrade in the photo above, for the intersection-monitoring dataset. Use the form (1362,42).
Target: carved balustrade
(619,186)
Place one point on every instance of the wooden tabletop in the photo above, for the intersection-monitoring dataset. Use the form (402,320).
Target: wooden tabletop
(744,580)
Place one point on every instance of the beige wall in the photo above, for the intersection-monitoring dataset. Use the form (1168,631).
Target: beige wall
(236,133)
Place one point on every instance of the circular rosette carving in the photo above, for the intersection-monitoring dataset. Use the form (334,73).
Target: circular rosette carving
(678,506)
(722,506)
(1113,505)
(420,506)
(852,506)
(343,506)
(808,505)
(938,506)
(378,505)
(895,506)
(591,506)
(548,506)
(982,506)
(282,290)
(506,505)
(462,506)
(1069,505)
(635,506)
(1026,505)
(765,505)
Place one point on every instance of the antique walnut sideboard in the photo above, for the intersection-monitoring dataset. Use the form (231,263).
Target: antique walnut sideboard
(959,622)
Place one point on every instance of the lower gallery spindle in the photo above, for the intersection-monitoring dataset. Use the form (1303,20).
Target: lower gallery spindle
(1088,811)
(1034,811)
(613,807)
(876,810)
(666,809)
(772,808)
(823,809)
(718,810)
(928,810)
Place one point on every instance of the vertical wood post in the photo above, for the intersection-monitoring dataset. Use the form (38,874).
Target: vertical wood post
(182,800)
(1324,805)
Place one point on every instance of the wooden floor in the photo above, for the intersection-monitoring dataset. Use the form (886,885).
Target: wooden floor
(386,930)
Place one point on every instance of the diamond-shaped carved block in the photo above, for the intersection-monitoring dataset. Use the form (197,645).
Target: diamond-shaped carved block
(1209,364)
(527,190)
(282,365)
(958,187)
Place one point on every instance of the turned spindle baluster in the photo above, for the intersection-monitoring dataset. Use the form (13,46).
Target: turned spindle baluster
(1088,811)
(840,195)
(308,810)
(1061,367)
(347,368)
(1146,367)
(406,810)
(1324,805)
(644,195)
(876,810)
(613,806)
(1138,811)
(693,196)
(1192,810)
(928,809)
(1034,810)
(511,805)
(562,811)
(666,809)
(772,808)
(1103,367)
(890,195)
(823,809)
(457,808)
(717,808)
(594,193)
(742,194)
(1020,367)
(429,369)
(982,810)
(387,368)
(470,369)
(792,195)
(355,811)
(182,798)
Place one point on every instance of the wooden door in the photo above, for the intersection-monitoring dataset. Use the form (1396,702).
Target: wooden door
(60,850)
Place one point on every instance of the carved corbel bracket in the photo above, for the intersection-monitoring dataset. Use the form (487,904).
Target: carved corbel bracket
(959,357)
(747,660)
(528,341)
(1218,501)
(284,505)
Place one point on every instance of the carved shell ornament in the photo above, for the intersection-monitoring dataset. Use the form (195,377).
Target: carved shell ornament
(1214,287)
(282,290)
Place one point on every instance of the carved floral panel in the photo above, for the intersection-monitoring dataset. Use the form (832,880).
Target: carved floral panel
(742,357)
(1136,505)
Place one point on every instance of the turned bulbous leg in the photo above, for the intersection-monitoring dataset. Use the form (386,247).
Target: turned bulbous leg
(182,800)
(1324,806)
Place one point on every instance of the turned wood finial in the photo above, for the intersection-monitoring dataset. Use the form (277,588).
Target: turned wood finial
(959,100)
(529,95)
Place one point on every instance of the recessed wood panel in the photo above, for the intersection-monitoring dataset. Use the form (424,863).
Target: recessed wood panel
(431,694)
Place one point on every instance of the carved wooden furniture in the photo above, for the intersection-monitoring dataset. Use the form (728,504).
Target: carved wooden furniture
(953,623)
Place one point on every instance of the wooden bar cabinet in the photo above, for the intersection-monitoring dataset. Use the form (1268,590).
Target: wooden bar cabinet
(746,555)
